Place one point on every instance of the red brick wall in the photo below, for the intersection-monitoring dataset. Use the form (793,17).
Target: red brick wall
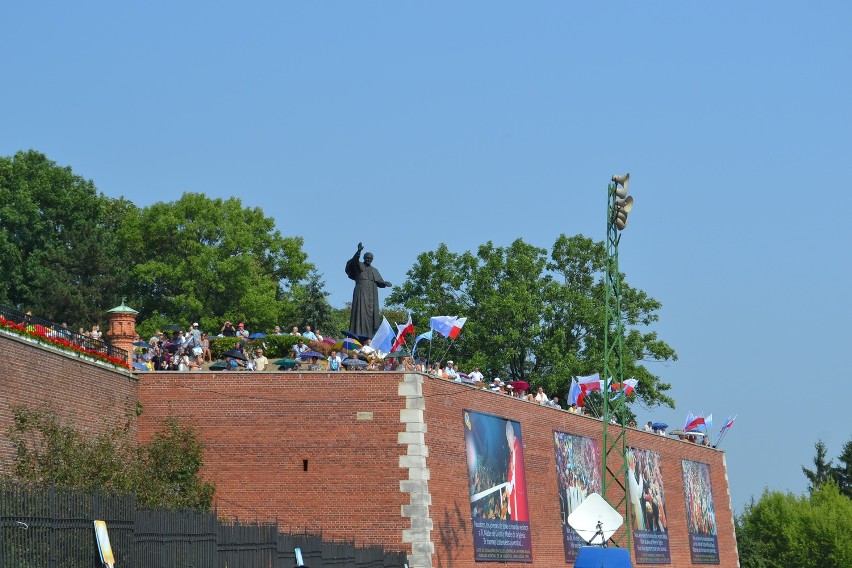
(83,394)
(260,427)
(450,510)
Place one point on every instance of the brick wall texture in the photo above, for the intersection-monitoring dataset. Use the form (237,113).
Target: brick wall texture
(369,479)
(378,458)
(88,396)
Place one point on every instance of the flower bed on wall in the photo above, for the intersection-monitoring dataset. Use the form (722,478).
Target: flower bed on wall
(47,336)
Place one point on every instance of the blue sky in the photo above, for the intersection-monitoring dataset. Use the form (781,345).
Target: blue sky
(404,125)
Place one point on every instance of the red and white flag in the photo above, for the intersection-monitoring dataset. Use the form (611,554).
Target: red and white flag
(448,326)
(402,331)
(587,385)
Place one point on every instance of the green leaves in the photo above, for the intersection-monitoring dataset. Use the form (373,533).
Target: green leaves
(163,472)
(535,316)
(783,530)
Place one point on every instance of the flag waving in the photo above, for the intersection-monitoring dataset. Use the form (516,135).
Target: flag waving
(402,331)
(587,385)
(694,424)
(728,424)
(448,326)
(383,340)
(421,337)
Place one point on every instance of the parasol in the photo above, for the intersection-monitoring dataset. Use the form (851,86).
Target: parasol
(347,344)
(354,363)
(310,355)
(520,385)
(235,354)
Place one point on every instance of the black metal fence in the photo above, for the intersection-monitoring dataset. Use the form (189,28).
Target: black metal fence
(50,329)
(51,527)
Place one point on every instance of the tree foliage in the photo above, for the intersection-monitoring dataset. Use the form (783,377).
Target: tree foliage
(59,244)
(211,260)
(162,473)
(822,471)
(825,471)
(782,530)
(70,253)
(534,315)
(843,470)
(311,304)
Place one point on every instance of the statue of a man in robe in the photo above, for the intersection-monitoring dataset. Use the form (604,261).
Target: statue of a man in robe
(364,320)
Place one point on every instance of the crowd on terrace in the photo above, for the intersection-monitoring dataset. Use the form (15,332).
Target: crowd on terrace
(191,350)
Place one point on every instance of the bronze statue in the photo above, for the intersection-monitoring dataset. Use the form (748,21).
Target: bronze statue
(364,320)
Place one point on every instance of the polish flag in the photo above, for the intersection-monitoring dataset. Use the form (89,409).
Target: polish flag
(694,424)
(629,386)
(402,331)
(448,326)
(587,385)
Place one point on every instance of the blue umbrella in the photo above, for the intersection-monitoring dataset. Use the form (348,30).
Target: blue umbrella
(141,367)
(309,354)
(258,335)
(141,344)
(361,338)
(659,425)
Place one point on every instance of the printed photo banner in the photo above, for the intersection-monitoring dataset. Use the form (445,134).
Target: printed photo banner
(498,489)
(700,514)
(648,507)
(578,473)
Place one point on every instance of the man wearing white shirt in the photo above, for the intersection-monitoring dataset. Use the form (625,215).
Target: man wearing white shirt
(310,335)
(475,376)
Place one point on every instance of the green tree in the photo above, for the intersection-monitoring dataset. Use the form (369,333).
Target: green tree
(782,530)
(163,472)
(535,316)
(843,470)
(169,473)
(312,307)
(822,471)
(210,260)
(59,241)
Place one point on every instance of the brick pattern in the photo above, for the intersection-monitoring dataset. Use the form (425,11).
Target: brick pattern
(378,458)
(293,447)
(450,510)
(86,395)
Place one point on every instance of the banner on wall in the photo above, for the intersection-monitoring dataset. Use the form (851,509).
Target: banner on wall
(498,490)
(700,514)
(648,507)
(578,473)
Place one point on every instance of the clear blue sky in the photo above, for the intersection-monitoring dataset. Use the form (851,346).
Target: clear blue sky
(463,122)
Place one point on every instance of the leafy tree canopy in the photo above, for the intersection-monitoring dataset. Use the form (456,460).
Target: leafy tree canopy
(58,241)
(534,316)
(211,260)
(782,530)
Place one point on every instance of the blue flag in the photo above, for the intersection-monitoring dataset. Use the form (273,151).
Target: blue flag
(427,335)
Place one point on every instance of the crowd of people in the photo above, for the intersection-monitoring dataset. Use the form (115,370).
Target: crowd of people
(190,350)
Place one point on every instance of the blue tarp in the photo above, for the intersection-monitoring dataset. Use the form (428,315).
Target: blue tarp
(599,557)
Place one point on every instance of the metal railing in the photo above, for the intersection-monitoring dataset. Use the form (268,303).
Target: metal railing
(50,527)
(52,330)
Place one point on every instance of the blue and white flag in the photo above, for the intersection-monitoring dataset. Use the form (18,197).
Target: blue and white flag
(383,340)
(427,335)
